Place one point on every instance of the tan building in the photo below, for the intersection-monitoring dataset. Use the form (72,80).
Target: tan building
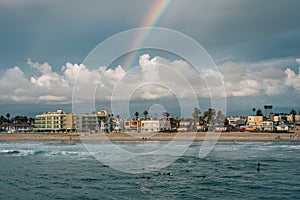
(59,121)
(276,118)
(132,125)
(289,118)
(54,122)
(253,122)
(297,118)
(103,120)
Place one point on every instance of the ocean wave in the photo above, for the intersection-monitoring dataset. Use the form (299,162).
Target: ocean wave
(18,152)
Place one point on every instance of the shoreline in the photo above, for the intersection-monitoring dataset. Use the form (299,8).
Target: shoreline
(179,136)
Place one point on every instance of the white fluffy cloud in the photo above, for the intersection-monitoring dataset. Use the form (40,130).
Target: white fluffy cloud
(155,78)
(293,79)
(259,79)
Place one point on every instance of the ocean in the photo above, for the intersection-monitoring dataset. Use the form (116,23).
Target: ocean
(66,170)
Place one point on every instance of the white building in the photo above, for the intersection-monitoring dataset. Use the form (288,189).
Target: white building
(150,126)
(184,126)
(164,124)
(267,126)
(282,127)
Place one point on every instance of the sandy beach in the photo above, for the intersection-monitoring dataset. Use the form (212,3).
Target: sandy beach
(180,136)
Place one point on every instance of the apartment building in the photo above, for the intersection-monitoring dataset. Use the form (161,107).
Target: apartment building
(253,122)
(54,122)
(150,126)
(60,121)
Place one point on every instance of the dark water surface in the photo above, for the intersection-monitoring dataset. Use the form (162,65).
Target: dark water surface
(58,170)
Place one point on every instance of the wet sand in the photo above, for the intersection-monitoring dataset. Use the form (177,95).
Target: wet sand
(180,136)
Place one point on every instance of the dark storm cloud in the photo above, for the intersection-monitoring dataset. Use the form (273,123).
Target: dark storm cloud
(60,31)
(240,30)
(253,42)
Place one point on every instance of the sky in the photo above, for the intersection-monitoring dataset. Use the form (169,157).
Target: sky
(44,45)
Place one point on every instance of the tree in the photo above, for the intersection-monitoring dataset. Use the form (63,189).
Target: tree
(220,118)
(136,115)
(31,120)
(2,119)
(268,107)
(209,115)
(259,112)
(8,116)
(196,118)
(226,122)
(145,113)
(293,113)
(166,115)
(253,110)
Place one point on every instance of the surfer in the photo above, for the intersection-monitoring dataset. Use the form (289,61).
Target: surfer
(258,167)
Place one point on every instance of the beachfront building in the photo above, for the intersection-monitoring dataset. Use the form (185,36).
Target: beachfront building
(253,122)
(236,121)
(165,124)
(60,121)
(282,127)
(184,126)
(94,122)
(16,128)
(267,126)
(275,118)
(150,126)
(132,125)
(103,120)
(297,126)
(297,118)
(289,118)
(86,122)
(54,122)
(118,125)
(90,122)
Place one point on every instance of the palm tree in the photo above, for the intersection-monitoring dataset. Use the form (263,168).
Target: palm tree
(145,113)
(195,118)
(136,115)
(293,113)
(259,112)
(2,119)
(270,107)
(31,120)
(166,115)
(209,116)
(266,108)
(253,110)
(8,116)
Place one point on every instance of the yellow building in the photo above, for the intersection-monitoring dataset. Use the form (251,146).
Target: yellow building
(57,121)
(253,122)
(132,125)
(297,118)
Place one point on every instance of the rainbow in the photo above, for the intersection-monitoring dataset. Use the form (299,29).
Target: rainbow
(151,19)
(155,13)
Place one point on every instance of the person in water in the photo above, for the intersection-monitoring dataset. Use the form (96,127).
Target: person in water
(258,167)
